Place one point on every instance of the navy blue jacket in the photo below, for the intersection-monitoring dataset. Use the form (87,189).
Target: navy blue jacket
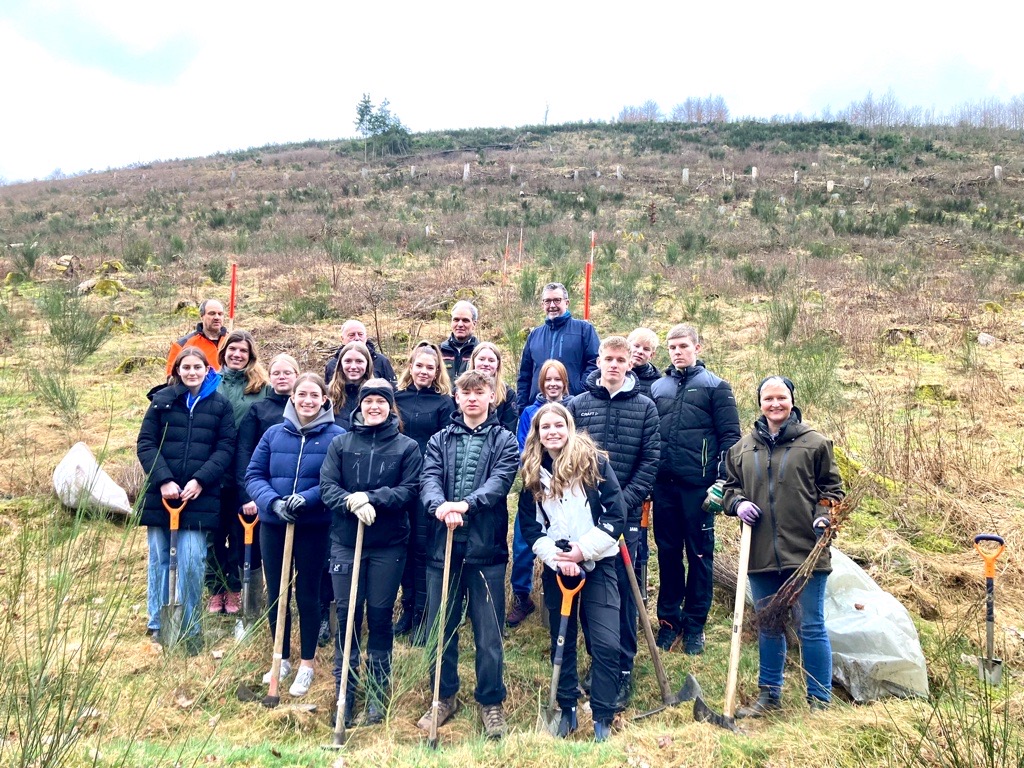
(572,342)
(699,424)
(288,460)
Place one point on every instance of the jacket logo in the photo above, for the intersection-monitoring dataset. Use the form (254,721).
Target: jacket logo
(586,414)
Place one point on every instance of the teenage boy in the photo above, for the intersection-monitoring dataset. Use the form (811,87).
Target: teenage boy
(468,470)
(625,423)
(699,424)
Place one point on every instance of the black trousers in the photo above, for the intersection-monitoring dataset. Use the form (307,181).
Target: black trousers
(311,542)
(600,600)
(414,579)
(682,527)
(628,611)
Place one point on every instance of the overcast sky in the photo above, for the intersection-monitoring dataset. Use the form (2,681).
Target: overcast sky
(95,84)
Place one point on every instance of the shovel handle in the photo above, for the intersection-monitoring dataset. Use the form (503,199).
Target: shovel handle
(645,513)
(174,512)
(249,527)
(567,593)
(989,555)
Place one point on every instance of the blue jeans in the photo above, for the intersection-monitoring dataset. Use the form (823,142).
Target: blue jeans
(483,588)
(815,648)
(191,569)
(522,563)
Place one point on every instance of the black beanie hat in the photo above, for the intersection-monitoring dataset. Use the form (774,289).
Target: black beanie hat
(789,385)
(379,387)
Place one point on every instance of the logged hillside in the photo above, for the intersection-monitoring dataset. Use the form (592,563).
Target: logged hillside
(881,271)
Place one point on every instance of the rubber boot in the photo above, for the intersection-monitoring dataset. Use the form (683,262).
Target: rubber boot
(567,723)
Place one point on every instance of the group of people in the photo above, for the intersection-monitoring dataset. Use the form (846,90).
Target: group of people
(418,468)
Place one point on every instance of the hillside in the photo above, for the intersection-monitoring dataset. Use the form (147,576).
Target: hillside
(881,271)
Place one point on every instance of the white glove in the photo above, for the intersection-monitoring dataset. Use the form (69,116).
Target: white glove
(356,500)
(366,513)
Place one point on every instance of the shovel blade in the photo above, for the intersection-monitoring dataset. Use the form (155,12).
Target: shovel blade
(990,671)
(690,690)
(702,713)
(171,620)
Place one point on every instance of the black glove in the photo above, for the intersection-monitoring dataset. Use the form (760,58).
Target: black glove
(280,508)
(819,525)
(295,502)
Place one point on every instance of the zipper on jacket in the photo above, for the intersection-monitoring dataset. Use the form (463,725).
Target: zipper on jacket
(298,462)
(369,462)
(771,508)
(188,443)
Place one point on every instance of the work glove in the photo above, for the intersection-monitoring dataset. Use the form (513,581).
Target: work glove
(295,502)
(820,524)
(366,513)
(356,500)
(713,503)
(748,512)
(280,508)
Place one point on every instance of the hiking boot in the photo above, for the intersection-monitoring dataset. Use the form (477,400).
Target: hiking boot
(522,607)
(286,669)
(625,693)
(818,705)
(302,683)
(378,685)
(667,636)
(568,723)
(766,703)
(216,604)
(323,637)
(404,624)
(445,709)
(232,602)
(375,712)
(493,717)
(602,730)
(693,644)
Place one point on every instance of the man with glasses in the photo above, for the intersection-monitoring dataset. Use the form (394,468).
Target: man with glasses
(572,342)
(460,345)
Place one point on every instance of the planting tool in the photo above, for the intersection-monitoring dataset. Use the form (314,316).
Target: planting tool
(172,614)
(353,594)
(548,720)
(443,622)
(690,689)
(273,697)
(245,620)
(990,669)
(643,548)
(701,711)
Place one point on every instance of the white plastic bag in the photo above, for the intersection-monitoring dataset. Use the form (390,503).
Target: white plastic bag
(79,481)
(875,648)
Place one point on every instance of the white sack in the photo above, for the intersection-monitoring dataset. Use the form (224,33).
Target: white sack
(80,482)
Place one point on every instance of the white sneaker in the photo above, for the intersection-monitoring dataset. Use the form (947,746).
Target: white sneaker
(286,669)
(303,681)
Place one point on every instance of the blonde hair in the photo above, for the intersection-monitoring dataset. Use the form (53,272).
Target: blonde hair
(442,384)
(576,464)
(336,389)
(644,336)
(284,357)
(500,390)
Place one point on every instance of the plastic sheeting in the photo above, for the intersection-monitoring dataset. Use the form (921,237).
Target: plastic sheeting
(876,651)
(80,481)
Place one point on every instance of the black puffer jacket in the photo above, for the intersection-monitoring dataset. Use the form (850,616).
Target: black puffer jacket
(424,412)
(785,478)
(456,356)
(627,427)
(485,528)
(262,415)
(385,465)
(343,418)
(699,423)
(179,444)
(646,375)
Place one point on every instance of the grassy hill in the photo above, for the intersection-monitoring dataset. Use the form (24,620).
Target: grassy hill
(881,271)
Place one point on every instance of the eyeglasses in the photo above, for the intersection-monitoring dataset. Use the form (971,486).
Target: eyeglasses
(551,301)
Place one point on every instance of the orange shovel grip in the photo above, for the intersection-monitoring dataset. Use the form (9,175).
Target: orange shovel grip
(249,527)
(989,556)
(174,512)
(569,594)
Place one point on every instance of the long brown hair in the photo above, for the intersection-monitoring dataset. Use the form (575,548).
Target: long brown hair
(256,377)
(576,464)
(500,390)
(175,377)
(557,367)
(336,389)
(442,383)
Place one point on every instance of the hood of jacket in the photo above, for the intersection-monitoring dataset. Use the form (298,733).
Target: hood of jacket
(387,428)
(647,372)
(325,417)
(460,422)
(687,372)
(628,390)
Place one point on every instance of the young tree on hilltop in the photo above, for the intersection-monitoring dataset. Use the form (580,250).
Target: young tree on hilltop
(382,126)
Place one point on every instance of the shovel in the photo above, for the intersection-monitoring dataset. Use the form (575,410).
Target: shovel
(245,620)
(690,689)
(552,714)
(172,614)
(273,697)
(990,669)
(701,711)
(643,548)
(353,594)
(443,622)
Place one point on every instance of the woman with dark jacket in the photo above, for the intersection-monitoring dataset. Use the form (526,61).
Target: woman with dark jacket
(355,368)
(571,513)
(486,358)
(243,381)
(370,476)
(283,479)
(424,400)
(186,445)
(781,480)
